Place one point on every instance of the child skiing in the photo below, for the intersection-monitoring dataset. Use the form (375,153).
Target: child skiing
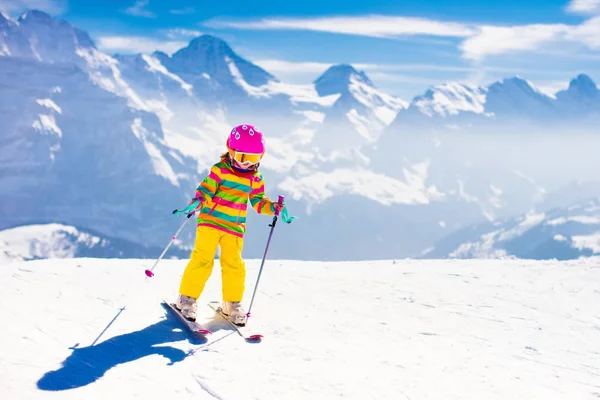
(223,199)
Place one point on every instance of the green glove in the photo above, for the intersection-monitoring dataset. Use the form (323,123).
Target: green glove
(192,207)
(285,215)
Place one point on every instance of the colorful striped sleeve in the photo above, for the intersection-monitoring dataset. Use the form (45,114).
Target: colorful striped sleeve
(207,189)
(261,203)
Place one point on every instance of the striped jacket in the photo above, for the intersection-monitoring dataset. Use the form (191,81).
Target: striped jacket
(224,195)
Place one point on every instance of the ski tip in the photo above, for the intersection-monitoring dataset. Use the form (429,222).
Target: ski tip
(204,331)
(149,273)
(254,338)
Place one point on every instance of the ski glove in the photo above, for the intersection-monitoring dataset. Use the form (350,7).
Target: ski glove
(189,209)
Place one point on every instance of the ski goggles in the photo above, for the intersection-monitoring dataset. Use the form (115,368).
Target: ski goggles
(246,158)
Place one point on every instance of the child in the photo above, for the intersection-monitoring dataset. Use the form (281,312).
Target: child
(223,197)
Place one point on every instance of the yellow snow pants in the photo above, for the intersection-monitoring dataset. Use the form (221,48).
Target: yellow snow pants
(199,268)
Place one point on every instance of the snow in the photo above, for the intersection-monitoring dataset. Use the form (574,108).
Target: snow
(464,195)
(528,222)
(154,65)
(591,242)
(582,219)
(576,226)
(159,162)
(297,93)
(41,241)
(385,114)
(320,186)
(284,156)
(509,329)
(451,99)
(496,191)
(313,116)
(103,70)
(385,107)
(361,124)
(481,250)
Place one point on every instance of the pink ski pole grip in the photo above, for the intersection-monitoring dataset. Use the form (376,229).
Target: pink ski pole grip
(280,202)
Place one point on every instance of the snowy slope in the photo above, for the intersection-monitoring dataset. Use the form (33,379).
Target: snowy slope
(562,233)
(61,241)
(374,330)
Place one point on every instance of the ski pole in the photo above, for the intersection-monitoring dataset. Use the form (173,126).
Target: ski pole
(272,225)
(149,272)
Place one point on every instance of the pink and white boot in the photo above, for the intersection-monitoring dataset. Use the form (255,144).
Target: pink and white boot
(235,312)
(188,307)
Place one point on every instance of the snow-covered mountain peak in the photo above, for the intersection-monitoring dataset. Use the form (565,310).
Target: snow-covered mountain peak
(516,84)
(562,233)
(337,78)
(210,55)
(207,46)
(581,87)
(36,16)
(41,23)
(48,241)
(39,36)
(450,99)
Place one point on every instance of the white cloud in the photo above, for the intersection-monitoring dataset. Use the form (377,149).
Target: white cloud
(478,41)
(304,67)
(181,32)
(138,44)
(587,33)
(584,6)
(369,25)
(139,9)
(53,7)
(183,11)
(495,40)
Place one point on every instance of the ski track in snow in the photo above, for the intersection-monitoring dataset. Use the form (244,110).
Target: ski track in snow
(420,329)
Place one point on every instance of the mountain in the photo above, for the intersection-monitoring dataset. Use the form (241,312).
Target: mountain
(78,144)
(561,233)
(360,108)
(581,98)
(493,329)
(51,241)
(509,104)
(113,143)
(38,36)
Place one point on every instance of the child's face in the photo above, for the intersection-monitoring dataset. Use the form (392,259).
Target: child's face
(245,165)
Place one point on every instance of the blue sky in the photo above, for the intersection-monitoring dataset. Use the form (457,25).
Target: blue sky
(403,46)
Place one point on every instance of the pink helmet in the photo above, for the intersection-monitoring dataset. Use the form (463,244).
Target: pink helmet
(246,139)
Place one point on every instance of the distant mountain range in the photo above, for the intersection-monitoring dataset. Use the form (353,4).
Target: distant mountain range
(113,143)
(35,242)
(561,233)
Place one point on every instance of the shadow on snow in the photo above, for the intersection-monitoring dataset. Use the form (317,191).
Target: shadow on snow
(88,364)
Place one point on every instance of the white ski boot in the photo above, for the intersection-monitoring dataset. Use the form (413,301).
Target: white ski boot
(188,307)
(235,312)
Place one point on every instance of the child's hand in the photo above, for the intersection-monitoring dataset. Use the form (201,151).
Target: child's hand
(278,207)
(200,201)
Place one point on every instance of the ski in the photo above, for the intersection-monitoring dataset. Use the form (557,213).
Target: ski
(243,331)
(192,326)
